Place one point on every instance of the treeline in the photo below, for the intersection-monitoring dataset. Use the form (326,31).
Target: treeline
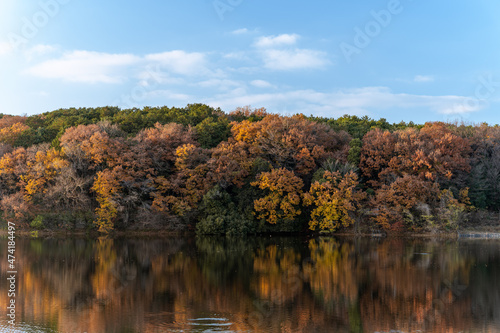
(242,172)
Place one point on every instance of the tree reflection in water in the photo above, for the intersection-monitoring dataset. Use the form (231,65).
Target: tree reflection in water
(256,284)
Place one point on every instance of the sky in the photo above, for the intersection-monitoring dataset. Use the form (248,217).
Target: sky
(403,60)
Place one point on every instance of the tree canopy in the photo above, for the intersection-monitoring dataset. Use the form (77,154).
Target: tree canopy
(170,168)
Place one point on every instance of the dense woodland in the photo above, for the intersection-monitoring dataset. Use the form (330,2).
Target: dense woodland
(247,171)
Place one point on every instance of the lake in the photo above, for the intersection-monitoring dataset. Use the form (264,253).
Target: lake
(261,284)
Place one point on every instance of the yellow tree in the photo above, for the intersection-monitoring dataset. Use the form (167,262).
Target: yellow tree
(12,167)
(45,167)
(10,134)
(335,199)
(106,187)
(283,195)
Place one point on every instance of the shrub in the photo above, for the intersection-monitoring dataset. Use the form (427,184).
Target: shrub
(37,223)
(221,216)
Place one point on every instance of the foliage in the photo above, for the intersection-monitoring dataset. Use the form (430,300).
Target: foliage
(225,170)
(106,187)
(37,223)
(399,205)
(434,153)
(221,216)
(283,190)
(354,155)
(335,199)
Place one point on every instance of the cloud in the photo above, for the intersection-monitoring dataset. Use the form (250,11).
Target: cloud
(361,101)
(279,53)
(423,78)
(294,59)
(180,62)
(220,84)
(153,76)
(236,56)
(276,41)
(261,84)
(96,67)
(86,67)
(38,51)
(240,31)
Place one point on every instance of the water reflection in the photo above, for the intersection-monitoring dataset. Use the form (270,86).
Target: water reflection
(254,285)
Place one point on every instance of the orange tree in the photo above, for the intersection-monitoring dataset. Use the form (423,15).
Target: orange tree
(397,206)
(293,142)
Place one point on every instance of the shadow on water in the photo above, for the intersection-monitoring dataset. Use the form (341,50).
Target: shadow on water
(266,284)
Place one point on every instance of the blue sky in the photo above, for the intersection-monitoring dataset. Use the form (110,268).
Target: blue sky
(401,60)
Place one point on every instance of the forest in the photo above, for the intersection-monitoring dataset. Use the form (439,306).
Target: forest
(248,171)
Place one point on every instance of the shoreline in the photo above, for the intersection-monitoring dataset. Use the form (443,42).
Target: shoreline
(457,234)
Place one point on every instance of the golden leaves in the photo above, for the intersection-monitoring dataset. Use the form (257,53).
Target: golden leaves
(10,134)
(284,189)
(335,198)
(106,186)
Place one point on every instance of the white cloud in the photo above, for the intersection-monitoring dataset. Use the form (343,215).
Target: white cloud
(362,101)
(96,67)
(275,41)
(86,67)
(261,84)
(279,53)
(38,51)
(294,59)
(221,84)
(423,78)
(236,56)
(180,62)
(240,31)
(153,76)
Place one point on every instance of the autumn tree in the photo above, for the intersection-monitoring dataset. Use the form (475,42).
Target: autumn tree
(178,166)
(377,151)
(247,113)
(335,199)
(42,170)
(106,186)
(26,175)
(11,133)
(293,142)
(434,153)
(181,192)
(283,190)
(230,163)
(122,166)
(160,143)
(404,204)
(12,166)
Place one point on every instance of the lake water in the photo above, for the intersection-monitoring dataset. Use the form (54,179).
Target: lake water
(266,284)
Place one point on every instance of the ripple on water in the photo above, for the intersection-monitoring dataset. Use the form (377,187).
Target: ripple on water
(208,324)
